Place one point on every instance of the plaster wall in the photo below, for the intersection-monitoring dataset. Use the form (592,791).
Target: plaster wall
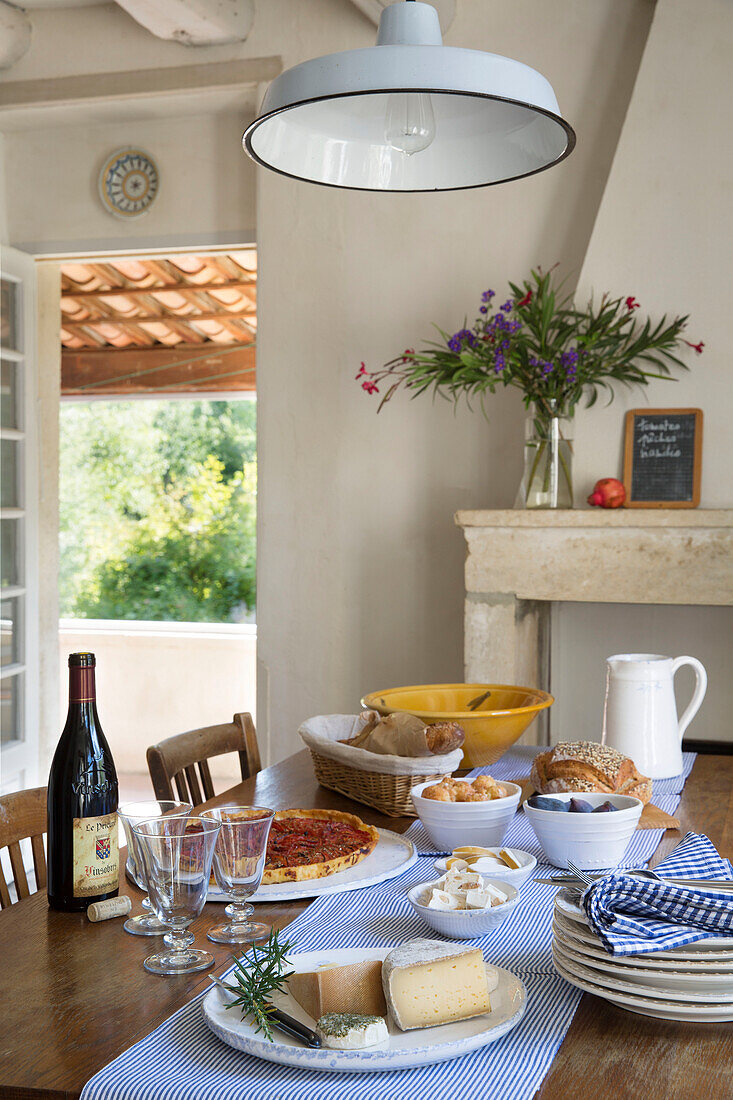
(206,188)
(663,234)
(360,566)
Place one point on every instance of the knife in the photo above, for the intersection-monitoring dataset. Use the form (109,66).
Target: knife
(281,1019)
(725,885)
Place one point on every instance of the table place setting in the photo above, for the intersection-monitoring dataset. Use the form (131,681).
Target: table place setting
(448,952)
(531,971)
(654,947)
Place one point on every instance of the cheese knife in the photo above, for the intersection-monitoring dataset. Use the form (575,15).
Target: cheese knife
(281,1019)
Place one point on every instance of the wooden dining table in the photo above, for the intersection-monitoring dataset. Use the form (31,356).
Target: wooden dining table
(74,995)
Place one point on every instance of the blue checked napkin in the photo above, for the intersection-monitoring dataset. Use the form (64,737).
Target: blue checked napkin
(635,916)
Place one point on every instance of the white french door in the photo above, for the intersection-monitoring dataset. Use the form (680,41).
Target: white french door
(18,523)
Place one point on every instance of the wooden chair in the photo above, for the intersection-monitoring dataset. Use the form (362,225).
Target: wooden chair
(22,815)
(176,758)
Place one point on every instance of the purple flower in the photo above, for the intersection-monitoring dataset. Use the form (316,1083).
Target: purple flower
(547,368)
(508,306)
(499,362)
(487,295)
(460,339)
(484,309)
(569,360)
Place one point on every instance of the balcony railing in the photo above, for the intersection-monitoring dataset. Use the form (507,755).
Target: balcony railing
(155,679)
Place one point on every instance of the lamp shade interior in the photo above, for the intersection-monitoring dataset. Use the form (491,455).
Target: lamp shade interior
(341,141)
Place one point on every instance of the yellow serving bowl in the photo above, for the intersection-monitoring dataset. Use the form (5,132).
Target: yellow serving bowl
(492,725)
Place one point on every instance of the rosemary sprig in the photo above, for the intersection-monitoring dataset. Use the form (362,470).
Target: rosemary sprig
(257,975)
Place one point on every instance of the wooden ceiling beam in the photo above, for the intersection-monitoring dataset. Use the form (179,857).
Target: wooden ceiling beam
(182,369)
(157,318)
(129,291)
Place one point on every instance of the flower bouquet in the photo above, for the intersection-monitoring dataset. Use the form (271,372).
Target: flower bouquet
(539,342)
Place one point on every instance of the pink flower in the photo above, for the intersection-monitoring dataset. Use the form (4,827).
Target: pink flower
(362,370)
(631,303)
(698,347)
(370,387)
(525,300)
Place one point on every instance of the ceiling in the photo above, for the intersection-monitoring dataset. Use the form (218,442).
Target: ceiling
(182,324)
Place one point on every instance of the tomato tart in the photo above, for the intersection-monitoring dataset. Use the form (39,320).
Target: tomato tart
(307,844)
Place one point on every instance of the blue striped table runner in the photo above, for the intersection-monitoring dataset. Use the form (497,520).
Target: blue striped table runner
(183,1060)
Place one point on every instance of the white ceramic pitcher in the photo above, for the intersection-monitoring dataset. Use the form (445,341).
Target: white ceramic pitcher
(640,712)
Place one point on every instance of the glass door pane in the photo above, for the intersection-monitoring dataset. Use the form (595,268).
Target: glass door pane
(9,309)
(18,523)
(8,394)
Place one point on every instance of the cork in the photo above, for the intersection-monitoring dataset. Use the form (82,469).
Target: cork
(112,907)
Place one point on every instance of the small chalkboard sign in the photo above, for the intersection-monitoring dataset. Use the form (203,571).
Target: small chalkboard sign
(662,458)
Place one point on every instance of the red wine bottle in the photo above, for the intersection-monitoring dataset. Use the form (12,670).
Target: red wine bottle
(83,856)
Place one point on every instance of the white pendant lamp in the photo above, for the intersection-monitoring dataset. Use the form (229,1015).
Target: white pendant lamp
(409,114)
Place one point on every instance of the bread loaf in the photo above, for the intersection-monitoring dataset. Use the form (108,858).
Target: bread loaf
(403,734)
(583,766)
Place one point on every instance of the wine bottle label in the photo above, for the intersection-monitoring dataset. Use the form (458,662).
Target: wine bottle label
(96,855)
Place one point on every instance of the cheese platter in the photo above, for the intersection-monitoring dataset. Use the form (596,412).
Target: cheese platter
(408,1044)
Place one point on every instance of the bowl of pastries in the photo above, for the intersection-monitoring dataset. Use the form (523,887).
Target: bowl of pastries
(492,716)
(466,812)
(463,904)
(587,803)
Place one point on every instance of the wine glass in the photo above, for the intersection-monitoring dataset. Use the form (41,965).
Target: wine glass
(239,860)
(176,854)
(146,924)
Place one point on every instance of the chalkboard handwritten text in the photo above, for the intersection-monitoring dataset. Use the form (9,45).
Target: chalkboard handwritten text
(658,438)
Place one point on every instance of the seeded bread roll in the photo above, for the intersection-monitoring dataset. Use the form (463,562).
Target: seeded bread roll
(580,767)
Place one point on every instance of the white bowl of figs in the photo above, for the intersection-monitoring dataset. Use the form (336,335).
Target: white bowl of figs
(592,830)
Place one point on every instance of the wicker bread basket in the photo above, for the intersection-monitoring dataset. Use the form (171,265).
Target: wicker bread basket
(383,782)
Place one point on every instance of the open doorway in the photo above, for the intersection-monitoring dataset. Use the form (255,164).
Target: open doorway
(157,492)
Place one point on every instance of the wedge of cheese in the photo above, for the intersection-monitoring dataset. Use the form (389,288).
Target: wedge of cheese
(356,988)
(427,983)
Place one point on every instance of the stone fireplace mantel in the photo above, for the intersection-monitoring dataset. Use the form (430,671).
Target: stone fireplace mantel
(518,562)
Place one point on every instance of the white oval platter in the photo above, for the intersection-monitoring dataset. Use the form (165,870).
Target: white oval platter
(514,876)
(393,855)
(660,1009)
(404,1050)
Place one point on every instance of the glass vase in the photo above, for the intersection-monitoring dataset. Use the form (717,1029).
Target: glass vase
(548,461)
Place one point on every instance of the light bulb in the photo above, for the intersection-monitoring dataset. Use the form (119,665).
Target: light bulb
(409,124)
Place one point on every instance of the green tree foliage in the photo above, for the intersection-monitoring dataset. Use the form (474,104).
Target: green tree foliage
(158,510)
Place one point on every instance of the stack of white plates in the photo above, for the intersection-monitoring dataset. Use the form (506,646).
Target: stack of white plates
(694,982)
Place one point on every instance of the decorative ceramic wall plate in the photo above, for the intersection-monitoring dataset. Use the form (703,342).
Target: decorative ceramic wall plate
(128,183)
(405,1049)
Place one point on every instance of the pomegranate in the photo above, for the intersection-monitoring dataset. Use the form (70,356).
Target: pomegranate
(608,493)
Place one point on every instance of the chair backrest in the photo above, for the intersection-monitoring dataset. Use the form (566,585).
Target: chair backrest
(22,815)
(176,759)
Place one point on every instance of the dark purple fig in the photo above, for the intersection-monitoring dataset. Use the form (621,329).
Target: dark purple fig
(605,808)
(579,806)
(542,802)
